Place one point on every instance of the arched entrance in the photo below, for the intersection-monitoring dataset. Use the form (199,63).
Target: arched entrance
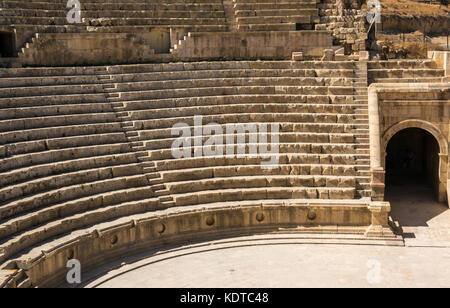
(412,157)
(423,132)
(414,176)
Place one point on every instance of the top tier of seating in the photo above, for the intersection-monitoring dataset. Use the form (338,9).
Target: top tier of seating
(63,152)
(136,13)
(275,15)
(198,15)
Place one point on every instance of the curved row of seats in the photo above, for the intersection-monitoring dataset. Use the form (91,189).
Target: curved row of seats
(193,15)
(183,12)
(405,71)
(275,15)
(320,155)
(65,158)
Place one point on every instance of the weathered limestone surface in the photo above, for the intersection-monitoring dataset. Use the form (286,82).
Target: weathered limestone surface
(96,48)
(183,30)
(255,45)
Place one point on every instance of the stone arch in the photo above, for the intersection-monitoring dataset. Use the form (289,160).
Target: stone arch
(440,139)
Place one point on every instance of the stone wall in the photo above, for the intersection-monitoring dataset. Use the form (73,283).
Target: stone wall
(62,49)
(347,21)
(55,49)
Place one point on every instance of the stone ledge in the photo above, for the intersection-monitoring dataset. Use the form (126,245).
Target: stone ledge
(45,265)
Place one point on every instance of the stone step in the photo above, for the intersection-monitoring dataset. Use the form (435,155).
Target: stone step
(271,6)
(285,171)
(159,187)
(312,102)
(23,172)
(153,175)
(263,193)
(58,211)
(47,230)
(407,64)
(252,183)
(286,128)
(297,19)
(275,11)
(164,194)
(12,114)
(167,204)
(145,158)
(323,112)
(322,163)
(149,169)
(333,82)
(165,198)
(63,193)
(155,181)
(272,71)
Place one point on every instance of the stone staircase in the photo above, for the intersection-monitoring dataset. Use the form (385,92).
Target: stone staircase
(106,78)
(65,159)
(405,71)
(362,132)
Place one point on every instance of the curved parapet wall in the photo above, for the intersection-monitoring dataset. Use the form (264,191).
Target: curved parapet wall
(114,240)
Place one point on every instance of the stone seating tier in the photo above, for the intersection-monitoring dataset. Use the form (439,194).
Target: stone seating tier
(79,146)
(405,71)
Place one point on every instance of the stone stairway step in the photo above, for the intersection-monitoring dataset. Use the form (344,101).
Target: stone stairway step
(145,158)
(149,169)
(163,194)
(165,198)
(155,181)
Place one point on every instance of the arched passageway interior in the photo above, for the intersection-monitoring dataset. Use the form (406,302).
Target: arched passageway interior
(7,45)
(412,177)
(412,157)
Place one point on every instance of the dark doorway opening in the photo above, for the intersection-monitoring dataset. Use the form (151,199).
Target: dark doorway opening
(412,156)
(7,45)
(412,181)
